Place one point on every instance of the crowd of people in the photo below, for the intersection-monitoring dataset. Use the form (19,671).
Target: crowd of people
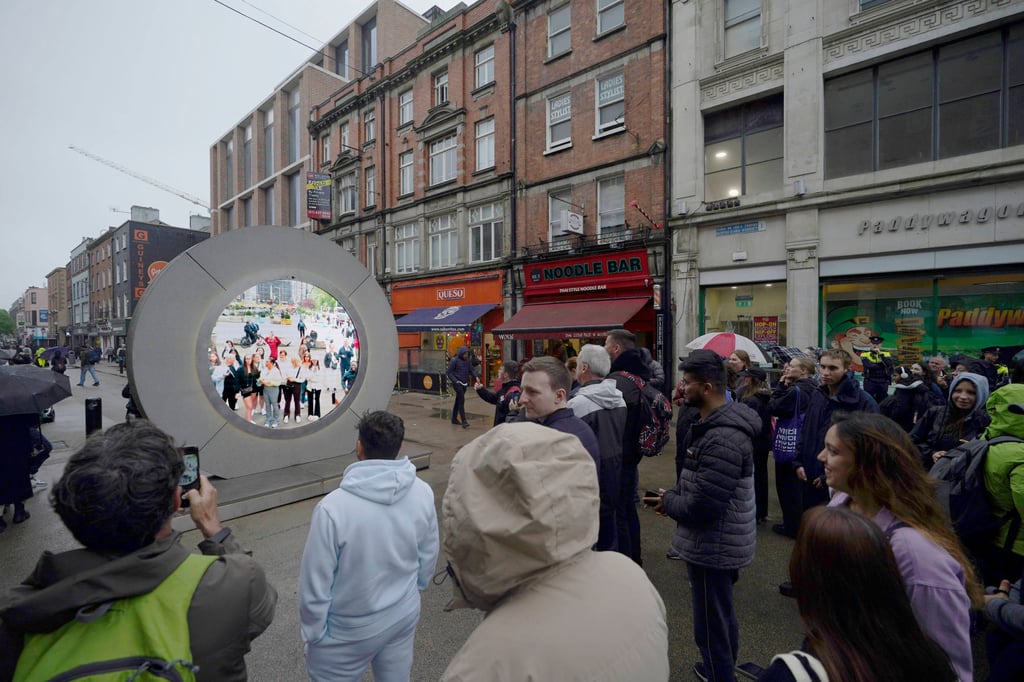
(541,530)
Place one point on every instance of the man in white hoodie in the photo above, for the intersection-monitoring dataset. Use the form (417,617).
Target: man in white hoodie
(371,550)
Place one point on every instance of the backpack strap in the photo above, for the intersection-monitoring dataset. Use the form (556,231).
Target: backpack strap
(803,667)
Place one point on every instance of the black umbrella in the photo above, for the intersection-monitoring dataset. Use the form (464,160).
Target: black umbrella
(50,352)
(27,389)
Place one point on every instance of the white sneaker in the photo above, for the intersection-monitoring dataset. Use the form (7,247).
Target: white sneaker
(313,418)
(286,420)
(37,484)
(298,419)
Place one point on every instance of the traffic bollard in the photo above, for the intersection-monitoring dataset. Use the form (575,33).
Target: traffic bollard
(93,415)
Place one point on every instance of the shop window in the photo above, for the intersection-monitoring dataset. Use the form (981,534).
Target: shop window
(485,232)
(444,241)
(939,103)
(559,121)
(757,311)
(742,26)
(743,149)
(407,248)
(559,34)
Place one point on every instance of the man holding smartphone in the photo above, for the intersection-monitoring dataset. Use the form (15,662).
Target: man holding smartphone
(133,591)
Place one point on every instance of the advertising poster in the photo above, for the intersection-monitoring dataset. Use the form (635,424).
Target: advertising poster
(318,196)
(766,329)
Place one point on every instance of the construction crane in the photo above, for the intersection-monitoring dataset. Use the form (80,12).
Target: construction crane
(139,176)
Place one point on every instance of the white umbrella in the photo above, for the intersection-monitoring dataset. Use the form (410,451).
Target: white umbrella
(727,343)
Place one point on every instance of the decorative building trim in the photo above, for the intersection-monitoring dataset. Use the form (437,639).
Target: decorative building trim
(728,86)
(867,36)
(802,256)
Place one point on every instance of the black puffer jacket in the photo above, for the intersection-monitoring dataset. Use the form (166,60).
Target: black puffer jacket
(713,501)
(630,361)
(849,398)
(505,400)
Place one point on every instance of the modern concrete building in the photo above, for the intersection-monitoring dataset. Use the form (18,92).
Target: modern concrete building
(841,168)
(258,167)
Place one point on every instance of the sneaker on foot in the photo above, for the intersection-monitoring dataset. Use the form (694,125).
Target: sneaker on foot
(96,384)
(286,420)
(298,419)
(37,484)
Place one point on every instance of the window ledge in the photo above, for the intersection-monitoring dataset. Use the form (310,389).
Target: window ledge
(557,57)
(369,144)
(609,133)
(406,195)
(443,183)
(742,59)
(609,32)
(483,171)
(484,90)
(402,126)
(554,150)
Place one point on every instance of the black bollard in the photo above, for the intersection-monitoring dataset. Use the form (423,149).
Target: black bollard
(93,415)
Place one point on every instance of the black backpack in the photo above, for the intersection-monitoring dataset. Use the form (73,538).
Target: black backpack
(960,488)
(655,417)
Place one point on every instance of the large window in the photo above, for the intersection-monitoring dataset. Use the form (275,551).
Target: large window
(443,159)
(610,14)
(405,173)
(405,107)
(325,148)
(371,186)
(294,126)
(268,143)
(295,199)
(610,100)
(371,254)
(341,59)
(349,194)
(559,121)
(369,126)
(756,311)
(369,44)
(247,157)
(444,242)
(268,206)
(559,35)
(743,149)
(441,89)
(229,169)
(485,232)
(951,100)
(485,144)
(247,212)
(742,26)
(407,248)
(558,204)
(485,66)
(346,143)
(611,206)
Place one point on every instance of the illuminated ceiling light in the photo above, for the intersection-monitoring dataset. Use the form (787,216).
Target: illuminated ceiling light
(768,285)
(734,192)
(734,287)
(721,155)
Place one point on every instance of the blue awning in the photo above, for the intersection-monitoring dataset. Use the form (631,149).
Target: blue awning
(448,318)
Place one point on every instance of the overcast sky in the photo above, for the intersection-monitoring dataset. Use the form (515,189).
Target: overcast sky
(148,84)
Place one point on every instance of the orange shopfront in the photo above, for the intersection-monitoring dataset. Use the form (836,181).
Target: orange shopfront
(438,315)
(576,300)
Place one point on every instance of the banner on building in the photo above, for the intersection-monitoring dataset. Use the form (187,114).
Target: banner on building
(318,196)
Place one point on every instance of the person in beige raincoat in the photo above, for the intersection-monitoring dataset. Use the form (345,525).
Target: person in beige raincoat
(520,516)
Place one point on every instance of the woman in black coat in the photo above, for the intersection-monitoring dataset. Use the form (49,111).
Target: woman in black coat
(756,395)
(791,396)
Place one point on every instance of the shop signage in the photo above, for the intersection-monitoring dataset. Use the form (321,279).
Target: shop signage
(592,273)
(44,315)
(740,228)
(141,239)
(766,329)
(451,294)
(743,304)
(925,221)
(318,196)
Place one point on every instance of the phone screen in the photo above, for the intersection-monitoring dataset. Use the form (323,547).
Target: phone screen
(190,477)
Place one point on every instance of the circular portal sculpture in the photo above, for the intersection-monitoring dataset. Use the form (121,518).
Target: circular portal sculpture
(170,332)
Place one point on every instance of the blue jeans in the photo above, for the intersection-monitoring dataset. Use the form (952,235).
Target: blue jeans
(270,394)
(81,377)
(715,628)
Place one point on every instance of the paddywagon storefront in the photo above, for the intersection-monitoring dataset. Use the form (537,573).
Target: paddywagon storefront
(572,301)
(436,316)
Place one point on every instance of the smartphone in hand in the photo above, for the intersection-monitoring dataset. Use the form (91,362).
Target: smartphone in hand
(648,494)
(190,477)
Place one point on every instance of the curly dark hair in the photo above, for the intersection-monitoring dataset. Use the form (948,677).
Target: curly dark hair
(117,492)
(381,434)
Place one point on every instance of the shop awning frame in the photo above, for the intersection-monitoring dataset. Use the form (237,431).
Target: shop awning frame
(446,318)
(571,319)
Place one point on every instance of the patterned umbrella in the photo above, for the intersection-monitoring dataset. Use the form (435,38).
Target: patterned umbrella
(727,343)
(28,389)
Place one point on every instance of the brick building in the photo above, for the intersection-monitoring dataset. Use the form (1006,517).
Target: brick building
(78,268)
(101,290)
(60,311)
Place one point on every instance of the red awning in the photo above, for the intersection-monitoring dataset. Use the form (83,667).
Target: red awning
(575,319)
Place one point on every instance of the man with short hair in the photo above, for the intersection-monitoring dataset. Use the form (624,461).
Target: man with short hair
(878,369)
(85,364)
(506,399)
(460,371)
(996,372)
(600,405)
(620,344)
(545,400)
(937,365)
(713,506)
(371,550)
(117,497)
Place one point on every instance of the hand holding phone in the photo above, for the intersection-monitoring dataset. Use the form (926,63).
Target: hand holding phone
(190,477)
(652,498)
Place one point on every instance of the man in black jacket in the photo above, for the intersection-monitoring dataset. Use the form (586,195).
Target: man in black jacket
(620,344)
(545,400)
(878,369)
(460,371)
(506,399)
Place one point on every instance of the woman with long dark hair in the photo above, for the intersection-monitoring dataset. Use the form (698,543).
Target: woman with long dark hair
(873,465)
(961,419)
(859,622)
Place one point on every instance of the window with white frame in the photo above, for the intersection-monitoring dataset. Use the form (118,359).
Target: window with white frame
(610,14)
(371,254)
(559,202)
(611,207)
(559,121)
(407,248)
(370,126)
(611,103)
(371,186)
(443,159)
(486,224)
(405,173)
(405,107)
(325,149)
(343,134)
(441,89)
(742,26)
(485,144)
(559,35)
(444,241)
(348,192)
(485,66)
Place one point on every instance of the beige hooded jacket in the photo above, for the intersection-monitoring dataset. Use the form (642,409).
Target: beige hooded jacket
(519,516)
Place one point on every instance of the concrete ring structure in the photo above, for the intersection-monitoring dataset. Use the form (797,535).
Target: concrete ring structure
(173,322)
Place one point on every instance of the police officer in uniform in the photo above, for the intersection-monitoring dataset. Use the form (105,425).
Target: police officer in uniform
(996,372)
(878,368)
